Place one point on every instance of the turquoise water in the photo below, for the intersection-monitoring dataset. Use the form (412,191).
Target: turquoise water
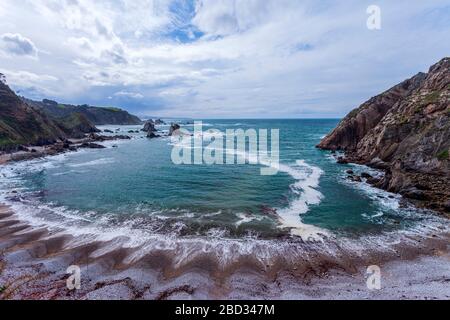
(135,184)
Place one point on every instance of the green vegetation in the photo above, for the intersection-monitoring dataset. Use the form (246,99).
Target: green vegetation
(419,108)
(2,289)
(444,155)
(6,143)
(403,119)
(76,125)
(113,109)
(430,98)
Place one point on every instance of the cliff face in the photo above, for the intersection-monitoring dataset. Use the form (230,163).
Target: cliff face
(21,124)
(360,121)
(76,125)
(98,116)
(405,131)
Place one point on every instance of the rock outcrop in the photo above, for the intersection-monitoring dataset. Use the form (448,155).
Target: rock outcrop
(406,132)
(149,126)
(152,135)
(173,128)
(77,125)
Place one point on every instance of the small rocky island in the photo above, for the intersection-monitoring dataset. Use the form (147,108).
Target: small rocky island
(152,132)
(404,131)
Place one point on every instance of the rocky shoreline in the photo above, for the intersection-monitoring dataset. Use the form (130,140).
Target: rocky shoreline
(404,132)
(91,141)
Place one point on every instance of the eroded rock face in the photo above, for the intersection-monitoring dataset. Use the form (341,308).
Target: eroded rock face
(359,122)
(405,131)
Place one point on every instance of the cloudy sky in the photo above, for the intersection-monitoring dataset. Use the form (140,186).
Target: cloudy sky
(218,58)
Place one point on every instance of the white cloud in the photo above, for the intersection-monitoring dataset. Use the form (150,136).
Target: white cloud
(17,45)
(225,17)
(25,78)
(36,84)
(226,57)
(82,44)
(127,94)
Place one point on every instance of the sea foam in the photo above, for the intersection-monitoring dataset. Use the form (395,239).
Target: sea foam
(307,180)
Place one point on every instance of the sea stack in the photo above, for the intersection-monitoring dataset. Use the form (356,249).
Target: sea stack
(173,128)
(149,126)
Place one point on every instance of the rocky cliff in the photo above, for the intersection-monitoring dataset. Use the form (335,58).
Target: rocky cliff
(97,115)
(406,132)
(23,124)
(76,125)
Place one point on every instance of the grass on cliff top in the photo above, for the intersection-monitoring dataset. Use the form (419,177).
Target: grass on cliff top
(353,113)
(444,155)
(113,109)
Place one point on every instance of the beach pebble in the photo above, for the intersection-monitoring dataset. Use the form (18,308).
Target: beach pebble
(116,291)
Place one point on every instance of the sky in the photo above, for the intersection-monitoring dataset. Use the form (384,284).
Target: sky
(218,58)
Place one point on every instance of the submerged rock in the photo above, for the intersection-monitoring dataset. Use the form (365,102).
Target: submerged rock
(90,145)
(153,135)
(268,211)
(355,178)
(100,138)
(121,137)
(365,175)
(342,160)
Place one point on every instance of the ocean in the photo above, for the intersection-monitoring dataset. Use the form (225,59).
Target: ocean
(132,194)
